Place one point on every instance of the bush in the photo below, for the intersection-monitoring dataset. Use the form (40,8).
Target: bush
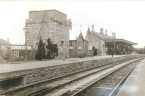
(41,51)
(52,49)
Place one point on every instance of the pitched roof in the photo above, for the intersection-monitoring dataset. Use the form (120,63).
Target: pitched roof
(81,36)
(3,42)
(107,38)
(88,33)
(103,36)
(47,15)
(120,40)
(88,30)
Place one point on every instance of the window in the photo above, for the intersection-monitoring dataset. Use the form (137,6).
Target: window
(70,44)
(79,45)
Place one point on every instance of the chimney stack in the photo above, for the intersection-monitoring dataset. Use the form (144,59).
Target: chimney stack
(93,28)
(101,30)
(7,39)
(113,34)
(105,32)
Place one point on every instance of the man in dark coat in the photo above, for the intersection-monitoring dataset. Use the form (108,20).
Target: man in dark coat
(112,51)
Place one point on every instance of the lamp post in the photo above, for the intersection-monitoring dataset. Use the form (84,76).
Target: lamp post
(63,53)
(25,31)
(112,51)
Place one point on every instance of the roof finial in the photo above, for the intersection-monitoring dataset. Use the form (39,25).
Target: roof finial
(80,28)
(93,28)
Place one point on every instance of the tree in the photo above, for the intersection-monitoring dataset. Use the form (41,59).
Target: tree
(52,49)
(49,48)
(41,51)
(49,42)
(55,49)
(140,50)
(7,55)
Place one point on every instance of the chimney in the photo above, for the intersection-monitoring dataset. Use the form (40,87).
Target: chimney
(113,34)
(105,32)
(93,28)
(7,39)
(70,23)
(101,30)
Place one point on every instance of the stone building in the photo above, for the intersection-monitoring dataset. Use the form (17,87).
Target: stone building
(94,40)
(48,24)
(5,46)
(107,44)
(5,50)
(78,47)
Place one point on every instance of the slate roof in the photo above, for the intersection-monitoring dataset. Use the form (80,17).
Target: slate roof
(107,38)
(3,42)
(121,40)
(81,35)
(103,36)
(88,33)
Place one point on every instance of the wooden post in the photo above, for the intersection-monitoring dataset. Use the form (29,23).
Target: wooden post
(12,56)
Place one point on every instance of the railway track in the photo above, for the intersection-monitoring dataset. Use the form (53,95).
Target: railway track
(51,87)
(108,85)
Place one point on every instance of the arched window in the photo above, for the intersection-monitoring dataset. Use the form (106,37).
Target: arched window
(79,44)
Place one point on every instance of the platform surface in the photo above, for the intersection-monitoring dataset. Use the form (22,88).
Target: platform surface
(8,67)
(135,83)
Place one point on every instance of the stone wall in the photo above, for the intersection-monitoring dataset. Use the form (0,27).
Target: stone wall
(46,15)
(31,76)
(55,26)
(97,43)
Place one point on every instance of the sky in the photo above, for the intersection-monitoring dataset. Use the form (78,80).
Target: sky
(125,18)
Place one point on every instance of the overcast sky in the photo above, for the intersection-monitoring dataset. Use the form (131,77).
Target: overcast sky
(126,18)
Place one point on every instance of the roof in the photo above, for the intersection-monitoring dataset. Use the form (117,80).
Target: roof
(47,10)
(47,15)
(72,40)
(88,33)
(103,36)
(120,40)
(3,42)
(107,38)
(80,36)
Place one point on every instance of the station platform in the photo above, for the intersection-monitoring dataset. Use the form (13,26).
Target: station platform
(135,83)
(15,66)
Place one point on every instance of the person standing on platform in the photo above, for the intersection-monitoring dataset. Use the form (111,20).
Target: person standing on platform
(63,54)
(112,52)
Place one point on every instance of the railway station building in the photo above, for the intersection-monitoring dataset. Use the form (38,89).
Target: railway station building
(46,24)
(100,42)
(5,50)
(105,44)
(78,47)
(4,46)
(55,25)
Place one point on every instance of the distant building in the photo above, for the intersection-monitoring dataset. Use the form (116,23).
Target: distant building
(108,44)
(48,24)
(5,46)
